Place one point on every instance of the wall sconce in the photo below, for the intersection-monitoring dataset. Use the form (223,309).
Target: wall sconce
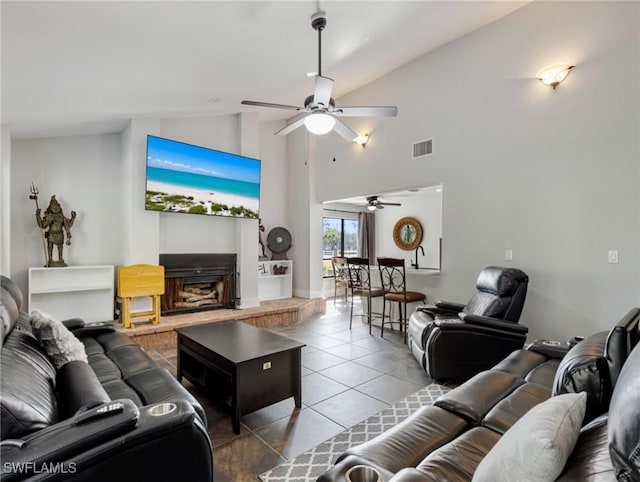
(362,139)
(552,76)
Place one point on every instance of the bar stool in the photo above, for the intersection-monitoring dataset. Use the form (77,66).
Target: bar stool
(360,280)
(394,283)
(340,277)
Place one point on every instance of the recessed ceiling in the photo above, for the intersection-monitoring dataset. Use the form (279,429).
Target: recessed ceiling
(85,67)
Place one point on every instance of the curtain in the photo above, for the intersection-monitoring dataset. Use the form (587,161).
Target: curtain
(367,236)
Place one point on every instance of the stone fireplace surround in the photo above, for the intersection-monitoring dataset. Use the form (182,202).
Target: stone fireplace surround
(199,282)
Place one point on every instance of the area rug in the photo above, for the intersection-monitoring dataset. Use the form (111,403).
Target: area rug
(309,465)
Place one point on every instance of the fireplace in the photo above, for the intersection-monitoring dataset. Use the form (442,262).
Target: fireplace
(198,282)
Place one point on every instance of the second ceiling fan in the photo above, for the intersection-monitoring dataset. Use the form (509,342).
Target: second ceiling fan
(320,114)
(374,203)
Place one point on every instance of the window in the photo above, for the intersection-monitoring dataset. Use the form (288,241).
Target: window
(339,238)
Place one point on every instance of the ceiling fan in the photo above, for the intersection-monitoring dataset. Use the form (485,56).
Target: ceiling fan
(320,114)
(374,203)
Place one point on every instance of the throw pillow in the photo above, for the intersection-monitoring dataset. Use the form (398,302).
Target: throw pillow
(59,343)
(537,446)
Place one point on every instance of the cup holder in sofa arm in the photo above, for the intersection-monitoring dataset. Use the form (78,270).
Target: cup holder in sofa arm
(550,348)
(162,409)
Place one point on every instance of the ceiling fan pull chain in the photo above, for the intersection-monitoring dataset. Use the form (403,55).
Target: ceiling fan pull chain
(319,51)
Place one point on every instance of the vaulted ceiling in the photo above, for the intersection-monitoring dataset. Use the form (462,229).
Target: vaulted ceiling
(87,67)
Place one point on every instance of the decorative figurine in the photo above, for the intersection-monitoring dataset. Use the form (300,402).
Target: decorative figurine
(280,270)
(56,225)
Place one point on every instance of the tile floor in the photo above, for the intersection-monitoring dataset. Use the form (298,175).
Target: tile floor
(348,375)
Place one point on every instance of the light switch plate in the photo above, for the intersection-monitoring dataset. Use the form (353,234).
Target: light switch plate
(508,254)
(266,365)
(613,256)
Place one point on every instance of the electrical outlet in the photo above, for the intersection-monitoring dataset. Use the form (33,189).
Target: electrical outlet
(508,254)
(266,365)
(613,256)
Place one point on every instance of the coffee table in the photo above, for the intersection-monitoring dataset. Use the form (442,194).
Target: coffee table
(247,368)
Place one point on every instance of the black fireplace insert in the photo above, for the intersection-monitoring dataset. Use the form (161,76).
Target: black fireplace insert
(199,282)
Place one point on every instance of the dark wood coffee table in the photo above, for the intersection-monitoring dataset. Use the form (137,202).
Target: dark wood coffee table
(247,368)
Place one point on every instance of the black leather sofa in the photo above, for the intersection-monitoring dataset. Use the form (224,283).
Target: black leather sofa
(447,441)
(118,417)
(453,341)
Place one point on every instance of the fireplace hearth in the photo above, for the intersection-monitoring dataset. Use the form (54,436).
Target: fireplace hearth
(199,282)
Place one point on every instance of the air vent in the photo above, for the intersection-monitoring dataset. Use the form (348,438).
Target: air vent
(422,148)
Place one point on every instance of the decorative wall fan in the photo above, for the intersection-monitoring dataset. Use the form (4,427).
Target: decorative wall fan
(279,242)
(374,203)
(319,114)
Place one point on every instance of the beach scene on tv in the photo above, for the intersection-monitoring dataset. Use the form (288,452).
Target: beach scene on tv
(196,180)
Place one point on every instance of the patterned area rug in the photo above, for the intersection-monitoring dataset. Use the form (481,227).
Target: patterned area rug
(308,466)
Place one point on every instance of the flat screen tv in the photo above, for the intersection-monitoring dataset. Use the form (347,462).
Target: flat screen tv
(183,178)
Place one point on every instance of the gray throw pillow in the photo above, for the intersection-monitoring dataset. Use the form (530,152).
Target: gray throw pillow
(537,446)
(59,343)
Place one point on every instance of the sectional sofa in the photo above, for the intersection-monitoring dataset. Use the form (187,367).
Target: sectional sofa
(497,426)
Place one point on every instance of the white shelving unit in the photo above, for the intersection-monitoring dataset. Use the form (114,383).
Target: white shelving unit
(273,286)
(85,292)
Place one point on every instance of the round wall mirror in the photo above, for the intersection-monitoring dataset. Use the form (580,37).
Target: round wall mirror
(407,233)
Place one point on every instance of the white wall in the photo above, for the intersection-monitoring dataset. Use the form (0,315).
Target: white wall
(84,173)
(552,175)
(274,188)
(5,200)
(306,216)
(141,228)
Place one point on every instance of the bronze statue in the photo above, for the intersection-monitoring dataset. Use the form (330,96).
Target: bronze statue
(56,225)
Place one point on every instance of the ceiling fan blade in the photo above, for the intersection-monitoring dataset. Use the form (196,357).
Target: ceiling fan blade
(268,104)
(344,130)
(322,91)
(376,111)
(380,203)
(293,125)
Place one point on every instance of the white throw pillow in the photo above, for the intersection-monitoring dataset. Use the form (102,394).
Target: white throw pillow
(537,446)
(59,343)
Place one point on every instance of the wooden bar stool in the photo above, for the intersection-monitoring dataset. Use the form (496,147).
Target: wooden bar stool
(136,281)
(340,277)
(394,283)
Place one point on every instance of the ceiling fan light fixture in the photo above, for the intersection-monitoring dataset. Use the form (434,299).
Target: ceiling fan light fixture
(371,207)
(319,123)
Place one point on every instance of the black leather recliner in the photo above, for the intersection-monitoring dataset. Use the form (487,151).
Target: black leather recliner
(452,341)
